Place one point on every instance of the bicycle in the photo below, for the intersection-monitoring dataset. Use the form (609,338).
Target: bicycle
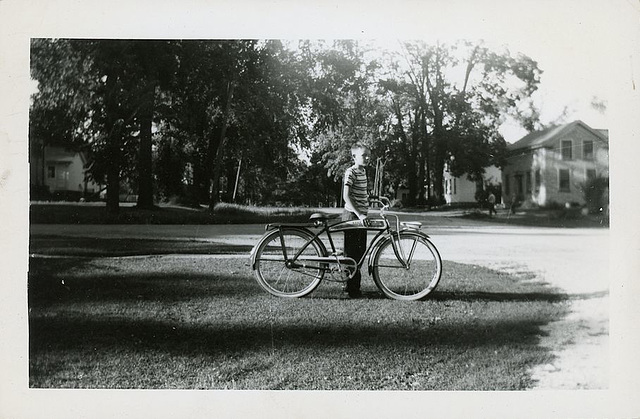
(291,260)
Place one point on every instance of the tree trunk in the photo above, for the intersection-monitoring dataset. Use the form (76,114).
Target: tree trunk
(415,186)
(438,183)
(422,156)
(218,151)
(114,139)
(145,161)
(217,169)
(427,168)
(113,183)
(440,155)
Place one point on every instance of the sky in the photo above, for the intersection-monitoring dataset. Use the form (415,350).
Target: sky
(576,43)
(584,47)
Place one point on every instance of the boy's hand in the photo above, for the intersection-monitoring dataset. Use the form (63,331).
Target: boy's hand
(364,219)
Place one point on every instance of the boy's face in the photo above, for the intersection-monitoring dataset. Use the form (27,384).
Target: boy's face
(361,156)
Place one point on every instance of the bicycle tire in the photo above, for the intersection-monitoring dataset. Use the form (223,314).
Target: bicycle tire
(412,283)
(281,280)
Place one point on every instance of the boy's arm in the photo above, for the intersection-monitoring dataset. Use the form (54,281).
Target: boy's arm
(347,199)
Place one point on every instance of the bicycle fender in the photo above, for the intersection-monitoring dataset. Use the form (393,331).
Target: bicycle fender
(413,230)
(379,239)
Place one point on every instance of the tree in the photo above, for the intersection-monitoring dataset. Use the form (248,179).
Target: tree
(343,101)
(64,93)
(238,100)
(208,105)
(153,64)
(448,101)
(80,82)
(101,93)
(270,124)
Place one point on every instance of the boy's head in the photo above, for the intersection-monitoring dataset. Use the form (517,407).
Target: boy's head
(360,154)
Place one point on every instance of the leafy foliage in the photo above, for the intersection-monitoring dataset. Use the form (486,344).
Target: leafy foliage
(448,102)
(596,195)
(203,121)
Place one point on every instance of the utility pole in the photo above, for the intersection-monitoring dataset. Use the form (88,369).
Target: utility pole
(235,188)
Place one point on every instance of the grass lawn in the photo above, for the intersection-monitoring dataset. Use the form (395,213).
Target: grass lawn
(199,322)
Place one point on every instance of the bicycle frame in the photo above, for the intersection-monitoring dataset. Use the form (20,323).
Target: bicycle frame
(381,225)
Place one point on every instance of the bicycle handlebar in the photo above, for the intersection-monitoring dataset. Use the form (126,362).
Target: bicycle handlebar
(383,200)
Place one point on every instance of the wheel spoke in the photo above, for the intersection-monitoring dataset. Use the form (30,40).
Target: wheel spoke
(275,276)
(418,278)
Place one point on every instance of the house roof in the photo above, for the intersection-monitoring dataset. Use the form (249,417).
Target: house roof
(63,155)
(546,136)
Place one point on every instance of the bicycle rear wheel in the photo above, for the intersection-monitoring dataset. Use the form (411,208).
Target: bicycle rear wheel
(418,279)
(293,279)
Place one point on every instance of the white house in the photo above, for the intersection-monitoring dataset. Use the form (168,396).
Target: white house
(460,189)
(553,165)
(60,170)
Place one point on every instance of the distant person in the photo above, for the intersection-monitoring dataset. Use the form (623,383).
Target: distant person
(514,205)
(356,207)
(491,200)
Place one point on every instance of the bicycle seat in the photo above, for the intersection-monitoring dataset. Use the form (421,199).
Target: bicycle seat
(416,225)
(319,217)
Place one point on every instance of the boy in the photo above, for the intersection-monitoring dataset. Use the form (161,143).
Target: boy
(356,206)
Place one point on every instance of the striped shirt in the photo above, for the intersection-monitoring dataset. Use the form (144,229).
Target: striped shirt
(356,179)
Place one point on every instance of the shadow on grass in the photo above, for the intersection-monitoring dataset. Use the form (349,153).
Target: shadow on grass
(473,296)
(215,337)
(101,247)
(126,323)
(52,281)
(47,286)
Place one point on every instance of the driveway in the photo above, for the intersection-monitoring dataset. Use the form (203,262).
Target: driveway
(574,260)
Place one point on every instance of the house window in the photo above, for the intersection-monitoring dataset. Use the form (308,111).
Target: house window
(454,186)
(527,182)
(538,180)
(565,149)
(587,150)
(564,180)
(507,185)
(591,174)
(51,172)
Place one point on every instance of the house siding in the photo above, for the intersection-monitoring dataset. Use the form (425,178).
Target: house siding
(60,170)
(460,189)
(548,159)
(515,174)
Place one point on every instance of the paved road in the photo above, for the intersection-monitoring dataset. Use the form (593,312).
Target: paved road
(575,260)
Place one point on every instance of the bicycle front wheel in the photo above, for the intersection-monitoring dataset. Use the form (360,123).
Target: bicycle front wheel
(277,271)
(414,279)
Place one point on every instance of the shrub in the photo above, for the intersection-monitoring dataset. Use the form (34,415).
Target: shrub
(596,194)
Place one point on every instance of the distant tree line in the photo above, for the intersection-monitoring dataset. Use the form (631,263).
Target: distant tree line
(265,121)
